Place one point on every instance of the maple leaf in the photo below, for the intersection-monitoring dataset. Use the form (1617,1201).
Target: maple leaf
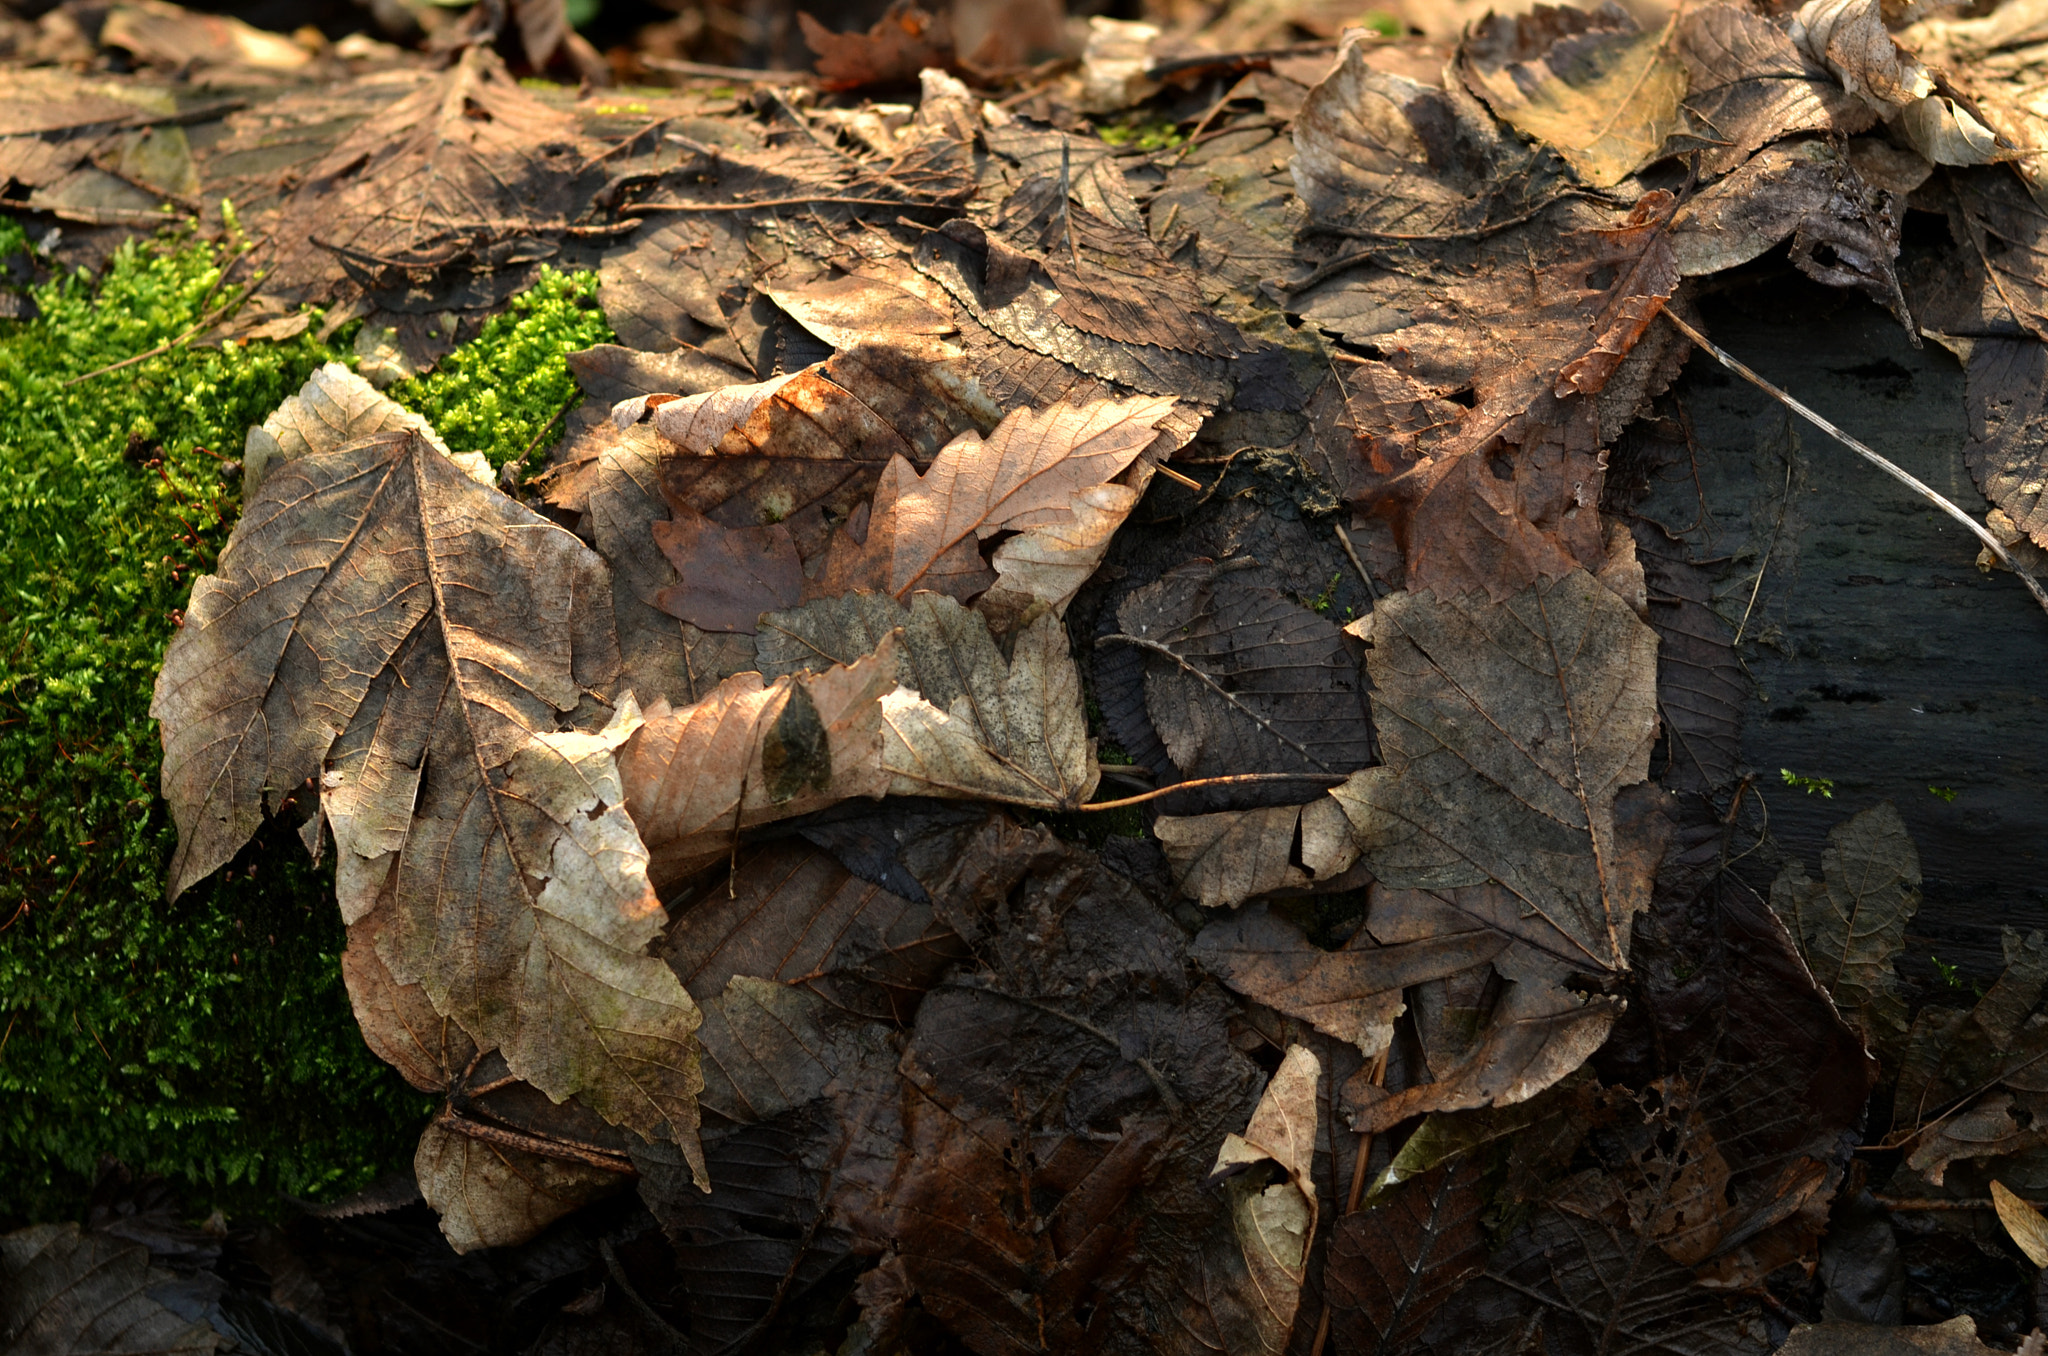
(415,641)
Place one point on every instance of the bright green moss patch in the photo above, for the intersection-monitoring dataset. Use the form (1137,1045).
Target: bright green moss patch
(210,1040)
(499,393)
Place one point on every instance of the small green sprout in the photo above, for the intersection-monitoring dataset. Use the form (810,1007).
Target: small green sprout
(1321,602)
(1824,785)
(1946,793)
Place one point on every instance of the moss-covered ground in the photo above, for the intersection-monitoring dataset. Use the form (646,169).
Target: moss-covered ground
(210,1040)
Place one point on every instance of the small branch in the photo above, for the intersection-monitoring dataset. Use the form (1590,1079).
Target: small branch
(709,72)
(1344,540)
(560,1150)
(771,202)
(1864,451)
(1240,779)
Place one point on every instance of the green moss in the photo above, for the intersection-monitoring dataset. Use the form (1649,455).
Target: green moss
(210,1040)
(500,392)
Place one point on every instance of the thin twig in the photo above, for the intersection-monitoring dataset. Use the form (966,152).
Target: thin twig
(770,202)
(1237,779)
(1764,566)
(560,1150)
(1864,451)
(1174,475)
(1344,540)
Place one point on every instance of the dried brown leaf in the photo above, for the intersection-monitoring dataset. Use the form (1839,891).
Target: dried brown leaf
(1851,924)
(1849,37)
(1028,476)
(1593,86)
(1466,797)
(63,1289)
(1392,1266)
(467,170)
(1957,1337)
(491,1195)
(904,41)
(1748,85)
(2008,448)
(416,642)
(1275,1221)
(676,281)
(1380,155)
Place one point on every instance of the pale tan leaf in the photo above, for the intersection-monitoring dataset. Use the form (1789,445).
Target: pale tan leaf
(848,310)
(1850,39)
(1041,569)
(1470,793)
(924,530)
(2023,1223)
(490,1195)
(1275,1224)
(752,752)
(1944,132)
(335,407)
(1605,96)
(1010,731)
(398,1021)
(1225,858)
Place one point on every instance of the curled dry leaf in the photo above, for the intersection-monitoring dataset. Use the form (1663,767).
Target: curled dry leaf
(1944,131)
(1852,923)
(416,643)
(1849,37)
(1275,1221)
(1596,88)
(2025,1225)
(1748,84)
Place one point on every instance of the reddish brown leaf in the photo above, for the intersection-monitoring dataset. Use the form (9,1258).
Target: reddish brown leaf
(730,575)
(901,43)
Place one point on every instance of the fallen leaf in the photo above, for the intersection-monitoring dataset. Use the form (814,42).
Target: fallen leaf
(904,41)
(334,408)
(1951,1055)
(1275,1221)
(1849,37)
(1748,84)
(180,39)
(1844,231)
(1241,678)
(1593,86)
(1852,923)
(752,752)
(1025,477)
(1225,858)
(1394,1265)
(70,1290)
(469,169)
(792,913)
(729,575)
(1353,993)
(1377,155)
(2023,1224)
(1957,1337)
(1462,801)
(672,281)
(488,1195)
(435,732)
(1700,686)
(2007,451)
(1945,132)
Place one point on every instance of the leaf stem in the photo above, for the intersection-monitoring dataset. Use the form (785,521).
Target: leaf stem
(1239,779)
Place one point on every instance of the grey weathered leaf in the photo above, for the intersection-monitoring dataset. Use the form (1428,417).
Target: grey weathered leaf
(1849,37)
(65,1290)
(425,648)
(1851,924)
(1471,794)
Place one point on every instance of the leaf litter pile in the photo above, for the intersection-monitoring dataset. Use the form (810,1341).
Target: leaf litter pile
(710,809)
